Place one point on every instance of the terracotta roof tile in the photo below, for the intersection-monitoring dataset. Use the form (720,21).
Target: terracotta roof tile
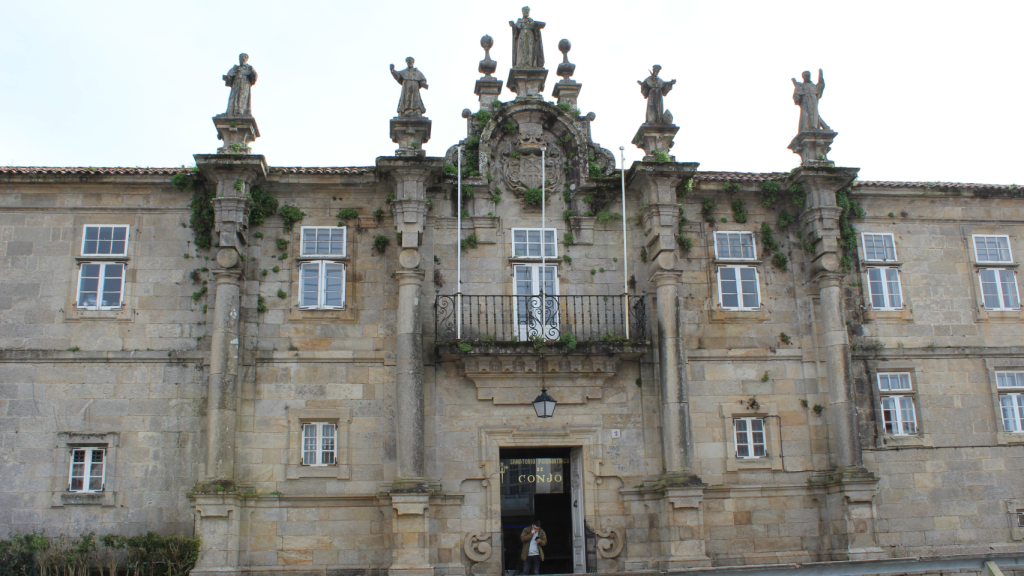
(762,176)
(322,170)
(89,170)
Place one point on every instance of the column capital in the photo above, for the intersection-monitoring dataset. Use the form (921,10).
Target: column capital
(828,280)
(667,277)
(227,275)
(410,277)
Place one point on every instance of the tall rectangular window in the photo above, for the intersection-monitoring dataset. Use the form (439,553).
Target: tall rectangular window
(100,285)
(527,243)
(749,437)
(737,288)
(879,247)
(88,466)
(322,285)
(999,289)
(898,415)
(884,289)
(991,248)
(324,241)
(319,443)
(1012,408)
(735,246)
(104,240)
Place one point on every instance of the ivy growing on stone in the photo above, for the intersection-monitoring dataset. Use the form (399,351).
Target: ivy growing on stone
(346,214)
(469,241)
(768,238)
(797,194)
(707,208)
(739,213)
(380,243)
(731,188)
(780,261)
(291,215)
(533,196)
(769,192)
(263,205)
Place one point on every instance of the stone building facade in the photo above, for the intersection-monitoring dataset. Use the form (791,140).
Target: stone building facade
(776,368)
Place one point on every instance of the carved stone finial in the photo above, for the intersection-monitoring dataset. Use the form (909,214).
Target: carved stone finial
(487,66)
(566,68)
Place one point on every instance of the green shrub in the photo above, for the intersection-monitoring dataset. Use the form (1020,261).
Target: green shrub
(346,214)
(739,213)
(785,219)
(707,207)
(282,244)
(769,190)
(380,243)
(570,341)
(767,238)
(780,261)
(291,215)
(533,196)
(569,239)
(469,242)
(731,188)
(606,217)
(684,242)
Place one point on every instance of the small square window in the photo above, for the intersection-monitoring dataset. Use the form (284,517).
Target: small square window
(749,437)
(992,248)
(899,416)
(879,247)
(526,243)
(319,443)
(322,285)
(105,241)
(1009,379)
(893,381)
(100,285)
(999,289)
(88,466)
(884,289)
(735,246)
(323,241)
(737,288)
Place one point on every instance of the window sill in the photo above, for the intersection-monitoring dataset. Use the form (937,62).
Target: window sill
(905,441)
(551,260)
(995,264)
(319,316)
(123,314)
(1010,438)
(298,471)
(882,263)
(904,316)
(61,499)
(102,258)
(1007,316)
(327,257)
(738,261)
(739,316)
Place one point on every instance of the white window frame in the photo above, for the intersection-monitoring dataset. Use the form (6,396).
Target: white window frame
(553,243)
(892,239)
(887,293)
(127,238)
(900,426)
(100,284)
(1000,294)
(749,441)
(524,329)
(741,234)
(321,267)
(319,449)
(886,380)
(1016,412)
(1003,377)
(87,476)
(739,288)
(330,230)
(1009,249)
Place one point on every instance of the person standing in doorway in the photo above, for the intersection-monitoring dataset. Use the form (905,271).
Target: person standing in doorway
(534,540)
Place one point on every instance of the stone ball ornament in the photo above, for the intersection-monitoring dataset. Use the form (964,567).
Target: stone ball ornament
(227,258)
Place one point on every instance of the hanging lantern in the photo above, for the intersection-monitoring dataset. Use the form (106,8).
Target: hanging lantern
(544,404)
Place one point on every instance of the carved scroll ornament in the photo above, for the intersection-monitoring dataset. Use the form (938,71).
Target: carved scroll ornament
(475,547)
(610,542)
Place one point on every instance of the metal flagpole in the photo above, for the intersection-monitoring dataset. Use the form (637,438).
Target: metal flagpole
(543,239)
(625,254)
(458,249)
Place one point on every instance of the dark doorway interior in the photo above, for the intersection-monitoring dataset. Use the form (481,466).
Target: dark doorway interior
(535,484)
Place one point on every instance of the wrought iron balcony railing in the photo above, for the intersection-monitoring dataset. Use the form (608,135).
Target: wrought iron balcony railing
(522,318)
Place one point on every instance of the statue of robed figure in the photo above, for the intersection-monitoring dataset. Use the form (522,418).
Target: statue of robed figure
(411,79)
(240,78)
(806,95)
(527,46)
(654,90)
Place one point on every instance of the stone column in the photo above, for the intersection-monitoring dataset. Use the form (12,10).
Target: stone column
(409,382)
(222,386)
(675,412)
(842,405)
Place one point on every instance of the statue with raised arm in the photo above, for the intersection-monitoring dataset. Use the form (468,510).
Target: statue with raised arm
(240,78)
(654,90)
(806,95)
(527,47)
(411,79)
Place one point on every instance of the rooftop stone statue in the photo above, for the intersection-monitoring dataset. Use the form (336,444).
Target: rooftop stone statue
(654,90)
(411,79)
(806,95)
(527,47)
(240,78)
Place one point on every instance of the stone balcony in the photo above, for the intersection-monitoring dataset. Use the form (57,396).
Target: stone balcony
(510,346)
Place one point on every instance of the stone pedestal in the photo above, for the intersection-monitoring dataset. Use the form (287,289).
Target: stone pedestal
(813,146)
(851,513)
(488,90)
(218,523)
(527,82)
(683,528)
(410,133)
(653,138)
(236,132)
(567,91)
(410,554)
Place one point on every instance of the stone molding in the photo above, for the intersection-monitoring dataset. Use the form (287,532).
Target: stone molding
(769,412)
(916,370)
(60,495)
(342,417)
(570,378)
(476,547)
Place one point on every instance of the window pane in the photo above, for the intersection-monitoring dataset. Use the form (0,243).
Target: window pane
(875,288)
(323,241)
(749,283)
(1010,420)
(892,280)
(890,249)
(327,443)
(742,442)
(889,414)
(907,418)
(1008,284)
(992,248)
(1009,379)
(309,288)
(989,288)
(112,284)
(309,444)
(729,293)
(334,284)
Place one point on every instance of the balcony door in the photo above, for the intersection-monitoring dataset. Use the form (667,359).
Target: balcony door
(534,318)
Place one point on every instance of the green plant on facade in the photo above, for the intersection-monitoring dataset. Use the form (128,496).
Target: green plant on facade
(261,304)
(282,244)
(785,219)
(567,259)
(784,338)
(707,207)
(780,261)
(739,213)
(769,193)
(263,205)
(276,269)
(281,294)
(450,169)
(469,242)
(606,217)
(380,243)
(509,127)
(660,156)
(643,254)
(684,242)
(482,118)
(797,194)
(291,215)
(768,238)
(346,214)
(731,188)
(568,238)
(533,196)
(465,347)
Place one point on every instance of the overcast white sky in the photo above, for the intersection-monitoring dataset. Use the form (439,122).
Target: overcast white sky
(136,83)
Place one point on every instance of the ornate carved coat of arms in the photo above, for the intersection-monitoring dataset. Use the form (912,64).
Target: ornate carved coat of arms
(519,163)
